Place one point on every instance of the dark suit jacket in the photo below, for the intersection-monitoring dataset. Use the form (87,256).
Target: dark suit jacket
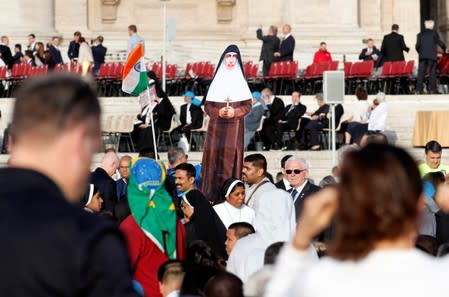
(426,44)
(308,190)
(6,55)
(163,113)
(55,55)
(107,187)
(369,57)
(292,117)
(287,48)
(270,45)
(280,185)
(196,114)
(393,46)
(73,50)
(17,58)
(276,109)
(52,243)
(98,53)
(122,189)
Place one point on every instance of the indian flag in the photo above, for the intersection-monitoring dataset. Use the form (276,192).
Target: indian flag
(134,77)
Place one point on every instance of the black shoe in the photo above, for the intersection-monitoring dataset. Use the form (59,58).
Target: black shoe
(276,147)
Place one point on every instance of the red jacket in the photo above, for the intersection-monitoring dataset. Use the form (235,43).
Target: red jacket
(322,56)
(146,257)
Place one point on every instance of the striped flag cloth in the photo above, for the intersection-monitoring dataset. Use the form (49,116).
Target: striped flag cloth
(134,77)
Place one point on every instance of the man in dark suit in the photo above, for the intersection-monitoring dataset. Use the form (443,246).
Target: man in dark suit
(291,115)
(287,45)
(5,51)
(191,115)
(270,132)
(393,46)
(74,46)
(370,53)
(102,178)
(270,45)
(283,184)
(55,53)
(297,174)
(52,247)
(426,44)
(98,52)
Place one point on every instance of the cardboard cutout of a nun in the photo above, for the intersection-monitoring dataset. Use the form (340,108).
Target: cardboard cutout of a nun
(227,102)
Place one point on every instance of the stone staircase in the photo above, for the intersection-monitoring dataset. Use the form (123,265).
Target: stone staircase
(401,119)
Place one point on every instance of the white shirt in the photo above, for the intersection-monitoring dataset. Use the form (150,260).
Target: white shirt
(378,118)
(174,294)
(188,115)
(286,184)
(386,273)
(249,190)
(230,214)
(360,111)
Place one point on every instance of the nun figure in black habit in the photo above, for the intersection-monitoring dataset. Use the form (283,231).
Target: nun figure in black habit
(227,102)
(202,223)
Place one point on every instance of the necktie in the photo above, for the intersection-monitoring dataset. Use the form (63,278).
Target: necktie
(293,193)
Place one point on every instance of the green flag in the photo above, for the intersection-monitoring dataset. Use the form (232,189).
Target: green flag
(151,205)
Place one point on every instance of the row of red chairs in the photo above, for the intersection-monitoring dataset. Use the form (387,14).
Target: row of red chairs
(202,70)
(359,70)
(171,70)
(250,69)
(315,71)
(111,71)
(397,69)
(287,69)
(22,71)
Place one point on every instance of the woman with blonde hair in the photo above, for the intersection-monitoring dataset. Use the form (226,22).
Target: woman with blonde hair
(85,57)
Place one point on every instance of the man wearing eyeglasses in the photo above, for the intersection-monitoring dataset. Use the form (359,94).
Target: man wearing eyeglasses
(297,174)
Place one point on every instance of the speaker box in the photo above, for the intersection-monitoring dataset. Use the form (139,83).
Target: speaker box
(334,86)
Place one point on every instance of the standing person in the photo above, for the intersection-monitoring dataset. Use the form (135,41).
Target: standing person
(376,211)
(31,42)
(74,46)
(55,52)
(152,231)
(370,53)
(134,39)
(270,46)
(322,54)
(5,51)
(227,102)
(235,232)
(426,43)
(85,57)
(287,47)
(202,222)
(18,55)
(393,46)
(55,248)
(102,178)
(98,52)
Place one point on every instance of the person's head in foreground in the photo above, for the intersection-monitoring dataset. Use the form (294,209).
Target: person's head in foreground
(235,232)
(376,206)
(170,276)
(433,152)
(233,191)
(224,284)
(92,201)
(56,117)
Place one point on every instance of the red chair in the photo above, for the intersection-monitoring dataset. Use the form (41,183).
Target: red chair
(408,69)
(333,66)
(347,69)
(397,68)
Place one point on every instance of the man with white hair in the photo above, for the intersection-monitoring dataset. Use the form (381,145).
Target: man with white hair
(297,174)
(102,178)
(427,41)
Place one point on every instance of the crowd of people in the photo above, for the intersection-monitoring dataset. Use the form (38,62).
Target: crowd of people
(134,228)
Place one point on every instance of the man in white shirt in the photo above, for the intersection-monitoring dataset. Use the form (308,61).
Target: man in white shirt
(297,174)
(254,175)
(170,276)
(378,117)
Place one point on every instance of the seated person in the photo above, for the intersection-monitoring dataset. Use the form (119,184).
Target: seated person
(291,115)
(191,115)
(253,118)
(313,125)
(322,54)
(376,121)
(360,109)
(370,53)
(275,111)
(232,208)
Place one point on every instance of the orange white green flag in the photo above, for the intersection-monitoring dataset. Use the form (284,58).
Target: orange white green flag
(134,77)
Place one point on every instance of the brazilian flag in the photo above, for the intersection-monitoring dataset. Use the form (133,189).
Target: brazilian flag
(151,205)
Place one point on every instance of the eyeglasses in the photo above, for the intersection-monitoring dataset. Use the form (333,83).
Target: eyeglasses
(296,171)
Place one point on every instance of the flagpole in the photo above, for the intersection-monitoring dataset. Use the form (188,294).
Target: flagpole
(152,130)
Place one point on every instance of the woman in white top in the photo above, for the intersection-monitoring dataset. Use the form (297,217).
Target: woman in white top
(85,57)
(376,209)
(232,209)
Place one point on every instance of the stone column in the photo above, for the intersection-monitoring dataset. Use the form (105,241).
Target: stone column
(443,20)
(21,17)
